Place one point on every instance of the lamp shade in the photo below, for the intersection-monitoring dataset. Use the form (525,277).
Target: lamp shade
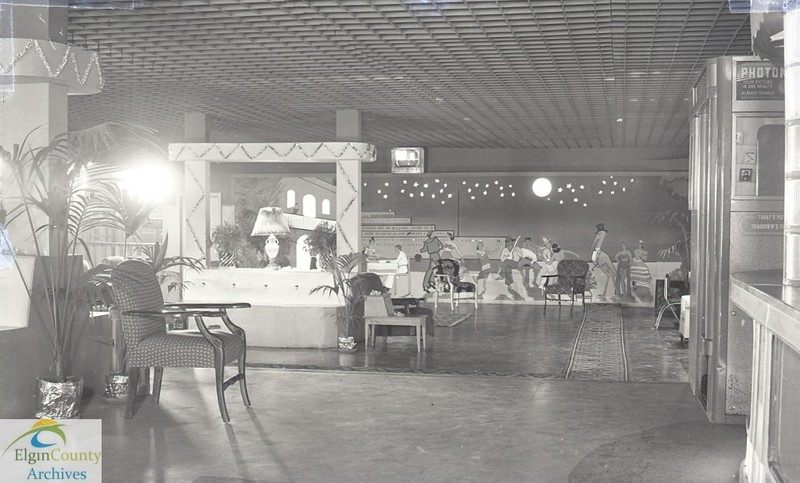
(270,221)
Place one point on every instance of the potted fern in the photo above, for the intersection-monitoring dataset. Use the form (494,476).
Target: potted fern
(55,190)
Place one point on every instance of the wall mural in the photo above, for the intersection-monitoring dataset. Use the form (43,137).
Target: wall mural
(508,234)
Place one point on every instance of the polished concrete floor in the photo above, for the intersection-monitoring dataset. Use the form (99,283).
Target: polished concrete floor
(519,340)
(504,414)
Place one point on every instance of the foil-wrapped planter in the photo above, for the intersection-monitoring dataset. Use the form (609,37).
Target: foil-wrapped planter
(347,344)
(59,400)
(116,386)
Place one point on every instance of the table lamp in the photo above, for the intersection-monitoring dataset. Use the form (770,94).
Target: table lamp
(271,223)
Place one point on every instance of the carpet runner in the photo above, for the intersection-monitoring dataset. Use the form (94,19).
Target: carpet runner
(599,350)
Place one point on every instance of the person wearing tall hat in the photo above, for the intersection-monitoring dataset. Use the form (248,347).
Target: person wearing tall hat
(432,246)
(603,262)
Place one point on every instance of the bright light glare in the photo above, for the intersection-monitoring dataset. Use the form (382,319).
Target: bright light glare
(542,187)
(149,181)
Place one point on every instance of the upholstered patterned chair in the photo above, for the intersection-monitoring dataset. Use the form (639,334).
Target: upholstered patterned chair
(571,281)
(137,294)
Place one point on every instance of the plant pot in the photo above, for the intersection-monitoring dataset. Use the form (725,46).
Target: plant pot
(59,400)
(116,387)
(347,345)
(227,259)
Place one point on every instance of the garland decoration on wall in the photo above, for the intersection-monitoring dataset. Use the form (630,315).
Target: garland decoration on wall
(285,152)
(68,56)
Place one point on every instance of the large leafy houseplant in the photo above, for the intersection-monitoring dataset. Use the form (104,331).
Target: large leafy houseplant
(678,218)
(57,193)
(341,269)
(227,239)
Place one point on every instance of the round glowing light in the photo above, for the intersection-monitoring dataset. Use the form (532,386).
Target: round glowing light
(411,195)
(386,184)
(436,180)
(542,187)
(502,195)
(487,185)
(150,181)
(405,181)
(477,184)
(631,180)
(441,190)
(612,177)
(575,200)
(623,188)
(379,191)
(422,193)
(402,191)
(433,195)
(365,184)
(573,190)
(463,182)
(560,202)
(615,183)
(584,205)
(600,192)
(385,196)
(449,195)
(604,181)
(496,182)
(501,188)
(442,201)
(469,190)
(472,197)
(612,192)
(485,193)
(445,185)
(425,185)
(513,194)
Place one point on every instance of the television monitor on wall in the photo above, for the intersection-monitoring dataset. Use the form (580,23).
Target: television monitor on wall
(408,160)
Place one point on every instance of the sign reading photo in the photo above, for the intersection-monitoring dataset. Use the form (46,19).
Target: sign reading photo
(759,81)
(50,450)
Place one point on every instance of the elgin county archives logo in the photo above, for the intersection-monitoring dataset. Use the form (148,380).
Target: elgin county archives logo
(45,452)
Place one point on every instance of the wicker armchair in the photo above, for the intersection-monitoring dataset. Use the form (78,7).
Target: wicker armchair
(138,296)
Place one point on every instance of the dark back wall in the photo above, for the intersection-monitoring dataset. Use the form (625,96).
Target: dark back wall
(514,210)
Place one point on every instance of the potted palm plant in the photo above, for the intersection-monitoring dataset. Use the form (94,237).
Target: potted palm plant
(55,188)
(341,269)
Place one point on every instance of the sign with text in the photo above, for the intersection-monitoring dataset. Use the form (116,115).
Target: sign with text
(762,224)
(759,81)
(50,450)
(747,6)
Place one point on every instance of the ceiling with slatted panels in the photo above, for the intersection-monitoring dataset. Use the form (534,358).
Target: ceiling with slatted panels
(435,73)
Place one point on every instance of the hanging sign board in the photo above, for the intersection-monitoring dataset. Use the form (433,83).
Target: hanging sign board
(748,6)
(758,81)
(762,224)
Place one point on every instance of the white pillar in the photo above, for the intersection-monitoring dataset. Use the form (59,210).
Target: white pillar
(791,207)
(348,186)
